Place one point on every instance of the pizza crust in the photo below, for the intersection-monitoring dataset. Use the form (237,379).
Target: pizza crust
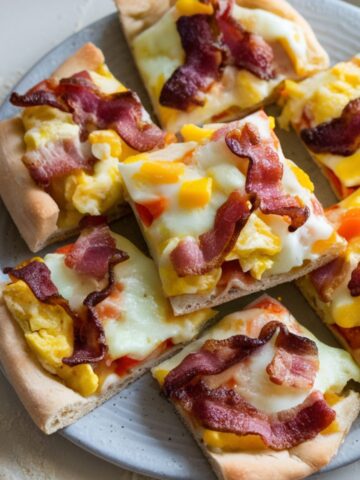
(136,17)
(51,404)
(33,210)
(293,464)
(182,304)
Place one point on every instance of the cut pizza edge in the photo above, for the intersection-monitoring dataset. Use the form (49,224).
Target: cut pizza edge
(239,458)
(47,204)
(135,19)
(59,370)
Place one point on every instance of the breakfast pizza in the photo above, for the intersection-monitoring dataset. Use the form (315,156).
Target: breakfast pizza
(58,161)
(225,214)
(325,111)
(216,60)
(262,396)
(83,322)
(334,289)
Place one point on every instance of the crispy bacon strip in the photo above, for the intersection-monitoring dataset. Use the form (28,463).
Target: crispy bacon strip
(222,409)
(354,284)
(246,50)
(295,363)
(202,67)
(93,251)
(57,159)
(340,136)
(92,109)
(264,176)
(215,356)
(327,278)
(191,257)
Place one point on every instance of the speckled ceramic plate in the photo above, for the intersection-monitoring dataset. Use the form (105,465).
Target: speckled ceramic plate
(138,429)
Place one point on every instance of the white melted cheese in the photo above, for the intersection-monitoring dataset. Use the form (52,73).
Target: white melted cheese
(252,381)
(157,60)
(144,317)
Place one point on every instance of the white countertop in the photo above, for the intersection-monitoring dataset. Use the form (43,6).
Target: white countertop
(28,29)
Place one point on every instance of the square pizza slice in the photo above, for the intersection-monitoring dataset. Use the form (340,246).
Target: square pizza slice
(80,324)
(225,213)
(325,111)
(215,60)
(334,289)
(262,396)
(58,159)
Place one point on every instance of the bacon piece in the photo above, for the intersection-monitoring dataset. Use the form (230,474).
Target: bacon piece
(231,271)
(247,50)
(37,276)
(191,257)
(215,356)
(93,251)
(91,109)
(327,278)
(202,67)
(340,136)
(222,409)
(354,284)
(264,176)
(57,159)
(295,363)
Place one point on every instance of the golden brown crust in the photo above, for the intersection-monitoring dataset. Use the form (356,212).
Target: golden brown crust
(50,403)
(189,303)
(34,211)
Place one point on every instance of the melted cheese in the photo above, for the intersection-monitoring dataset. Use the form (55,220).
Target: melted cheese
(237,89)
(142,318)
(252,382)
(275,249)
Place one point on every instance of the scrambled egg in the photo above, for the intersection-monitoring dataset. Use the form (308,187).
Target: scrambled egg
(255,247)
(48,331)
(81,193)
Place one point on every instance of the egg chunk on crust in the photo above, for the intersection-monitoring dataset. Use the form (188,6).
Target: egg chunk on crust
(324,110)
(81,323)
(258,388)
(221,59)
(59,159)
(334,290)
(225,214)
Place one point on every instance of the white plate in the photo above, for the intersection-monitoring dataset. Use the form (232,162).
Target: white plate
(138,429)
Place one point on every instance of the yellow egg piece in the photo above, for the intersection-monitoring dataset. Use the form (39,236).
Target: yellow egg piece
(232,442)
(175,285)
(302,177)
(193,133)
(160,375)
(348,169)
(109,137)
(321,246)
(193,7)
(346,313)
(334,427)
(160,172)
(195,193)
(352,201)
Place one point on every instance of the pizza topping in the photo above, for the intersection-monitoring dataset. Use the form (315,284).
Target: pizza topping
(296,361)
(246,50)
(351,335)
(354,284)
(191,257)
(210,42)
(327,278)
(340,136)
(215,356)
(202,67)
(93,110)
(57,159)
(222,409)
(94,251)
(264,176)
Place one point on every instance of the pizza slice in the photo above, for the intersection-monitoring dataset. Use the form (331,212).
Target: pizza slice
(80,324)
(58,160)
(325,111)
(225,214)
(334,289)
(262,396)
(216,60)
